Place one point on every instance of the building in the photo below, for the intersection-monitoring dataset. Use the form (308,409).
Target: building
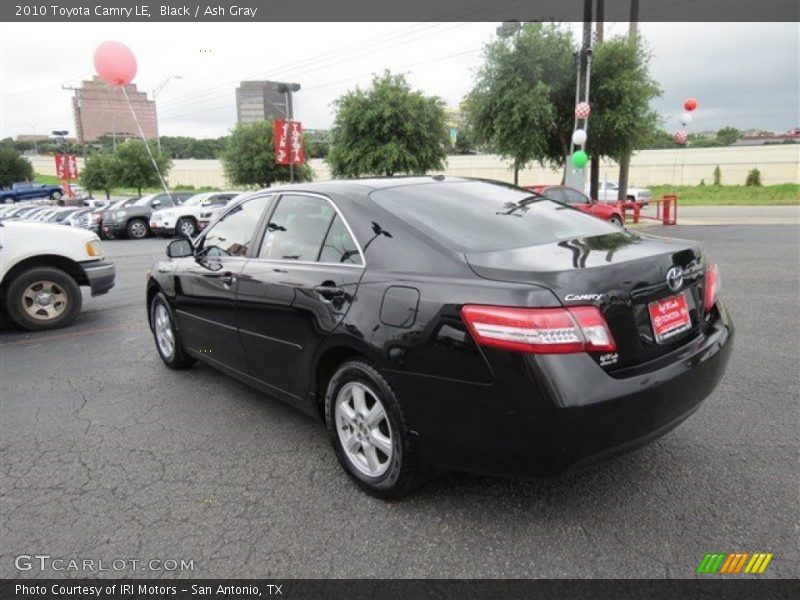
(101,110)
(258,101)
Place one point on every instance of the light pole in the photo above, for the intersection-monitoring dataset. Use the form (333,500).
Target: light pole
(156,91)
(287,89)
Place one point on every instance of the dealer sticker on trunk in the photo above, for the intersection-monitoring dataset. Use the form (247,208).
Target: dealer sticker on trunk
(670,316)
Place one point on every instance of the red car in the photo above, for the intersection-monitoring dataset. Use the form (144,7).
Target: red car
(579,200)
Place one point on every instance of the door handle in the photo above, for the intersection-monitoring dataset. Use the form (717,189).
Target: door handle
(228,279)
(329,291)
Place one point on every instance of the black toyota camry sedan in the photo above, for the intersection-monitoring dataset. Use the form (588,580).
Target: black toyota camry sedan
(440,323)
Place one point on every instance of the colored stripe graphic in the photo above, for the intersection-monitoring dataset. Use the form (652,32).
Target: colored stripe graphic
(723,564)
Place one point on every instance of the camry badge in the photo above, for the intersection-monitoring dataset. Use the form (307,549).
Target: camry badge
(675,278)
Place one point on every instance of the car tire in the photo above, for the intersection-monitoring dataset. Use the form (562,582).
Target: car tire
(59,306)
(394,468)
(616,220)
(166,334)
(56,196)
(137,229)
(186,227)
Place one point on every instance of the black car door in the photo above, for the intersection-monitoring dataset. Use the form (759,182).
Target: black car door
(206,285)
(297,289)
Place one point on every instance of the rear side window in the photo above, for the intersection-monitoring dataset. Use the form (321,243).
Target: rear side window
(339,246)
(478,216)
(297,228)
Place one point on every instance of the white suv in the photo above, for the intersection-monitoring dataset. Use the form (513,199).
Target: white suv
(608,192)
(183,219)
(42,266)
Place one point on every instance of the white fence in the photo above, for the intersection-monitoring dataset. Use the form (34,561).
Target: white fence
(683,166)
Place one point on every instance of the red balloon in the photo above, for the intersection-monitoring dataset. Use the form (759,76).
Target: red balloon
(115,63)
(690,104)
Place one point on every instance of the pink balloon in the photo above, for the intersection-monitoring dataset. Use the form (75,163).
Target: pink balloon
(115,63)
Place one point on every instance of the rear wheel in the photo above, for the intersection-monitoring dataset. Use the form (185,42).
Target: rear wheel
(615,220)
(43,298)
(56,195)
(369,432)
(186,227)
(137,229)
(167,336)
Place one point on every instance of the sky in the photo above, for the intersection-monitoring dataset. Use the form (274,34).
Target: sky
(746,75)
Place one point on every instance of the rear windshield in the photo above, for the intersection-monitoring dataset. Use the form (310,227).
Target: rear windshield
(478,216)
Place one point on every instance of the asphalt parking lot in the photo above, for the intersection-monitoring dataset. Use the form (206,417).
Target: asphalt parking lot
(106,454)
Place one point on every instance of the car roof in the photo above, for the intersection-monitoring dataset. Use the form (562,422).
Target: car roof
(365,184)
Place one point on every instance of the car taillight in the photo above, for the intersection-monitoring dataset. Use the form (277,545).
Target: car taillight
(539,330)
(713,283)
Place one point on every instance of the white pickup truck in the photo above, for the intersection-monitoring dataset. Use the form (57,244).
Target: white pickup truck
(42,266)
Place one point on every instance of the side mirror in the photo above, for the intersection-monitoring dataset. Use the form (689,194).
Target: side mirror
(155,203)
(180,248)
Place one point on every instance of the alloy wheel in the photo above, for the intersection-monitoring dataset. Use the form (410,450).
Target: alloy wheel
(362,424)
(187,228)
(138,229)
(165,337)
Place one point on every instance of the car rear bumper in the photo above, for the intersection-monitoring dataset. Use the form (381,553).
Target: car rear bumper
(101,276)
(570,413)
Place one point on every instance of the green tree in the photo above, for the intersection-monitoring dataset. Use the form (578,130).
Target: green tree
(717,175)
(620,95)
(753,178)
(249,157)
(728,135)
(13,167)
(101,171)
(386,130)
(521,105)
(135,167)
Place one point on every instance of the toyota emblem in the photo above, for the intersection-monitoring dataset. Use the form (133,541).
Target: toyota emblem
(675,278)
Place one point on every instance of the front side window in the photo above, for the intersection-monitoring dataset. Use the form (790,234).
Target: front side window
(575,197)
(297,228)
(231,235)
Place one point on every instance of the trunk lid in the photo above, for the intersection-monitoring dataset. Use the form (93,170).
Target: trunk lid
(620,273)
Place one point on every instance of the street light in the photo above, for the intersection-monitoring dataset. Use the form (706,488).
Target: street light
(287,89)
(508,28)
(156,91)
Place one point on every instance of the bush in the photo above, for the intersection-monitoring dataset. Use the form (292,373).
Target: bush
(753,178)
(13,167)
(717,175)
(702,182)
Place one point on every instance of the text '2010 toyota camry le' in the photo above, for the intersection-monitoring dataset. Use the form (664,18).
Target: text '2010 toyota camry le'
(441,323)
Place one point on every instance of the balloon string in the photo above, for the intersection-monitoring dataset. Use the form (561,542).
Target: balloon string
(144,139)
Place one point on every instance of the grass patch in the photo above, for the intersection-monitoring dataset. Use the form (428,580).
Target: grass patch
(722,195)
(53,180)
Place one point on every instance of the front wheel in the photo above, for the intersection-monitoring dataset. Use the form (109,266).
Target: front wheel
(43,298)
(186,227)
(137,229)
(167,335)
(369,432)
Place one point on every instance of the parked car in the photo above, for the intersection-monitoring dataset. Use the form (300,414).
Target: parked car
(609,192)
(183,219)
(581,201)
(19,211)
(79,218)
(96,220)
(133,220)
(26,190)
(447,323)
(42,267)
(59,214)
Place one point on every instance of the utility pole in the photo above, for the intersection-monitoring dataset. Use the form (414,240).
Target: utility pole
(594,167)
(156,91)
(625,161)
